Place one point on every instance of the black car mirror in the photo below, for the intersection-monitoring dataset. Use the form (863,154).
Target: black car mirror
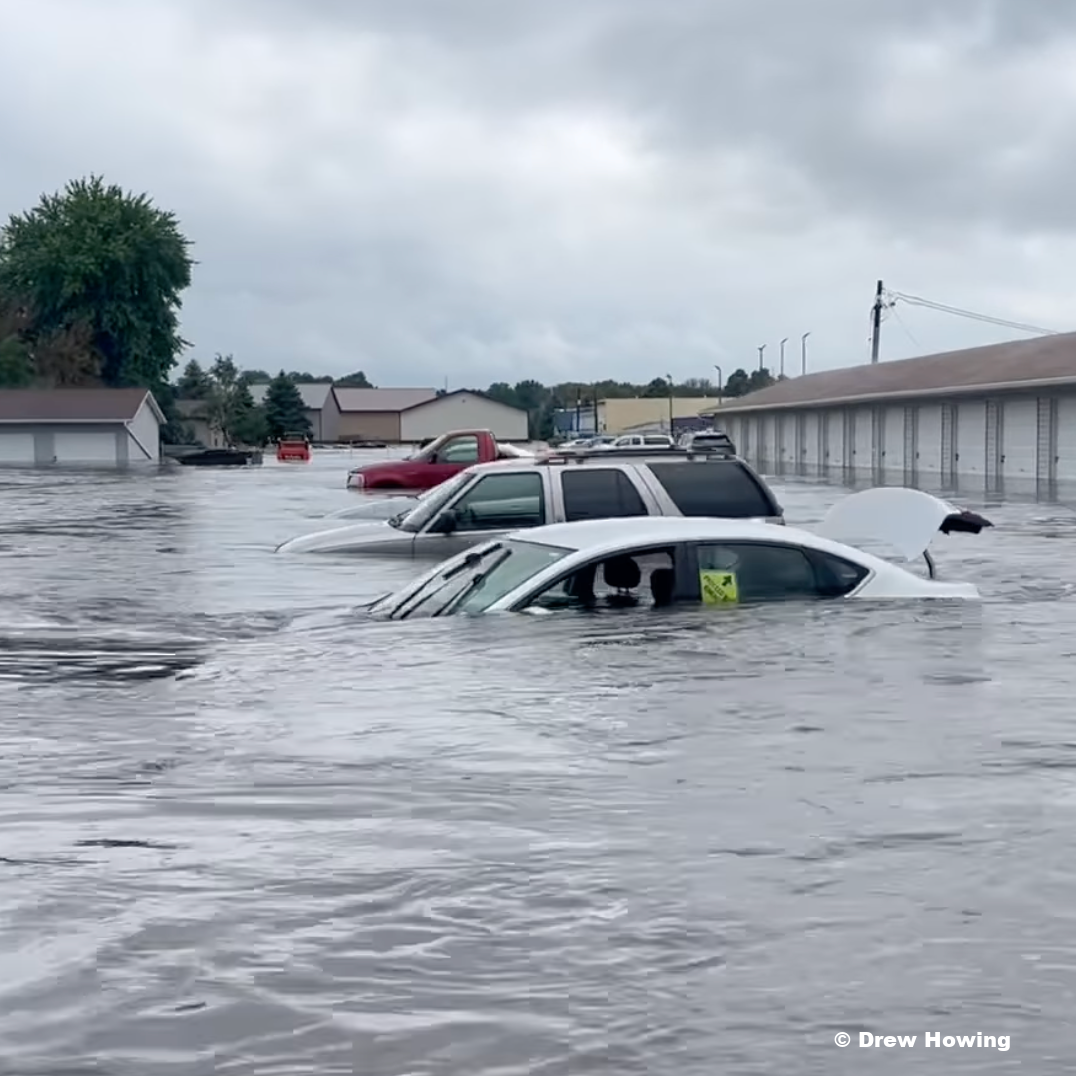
(446,522)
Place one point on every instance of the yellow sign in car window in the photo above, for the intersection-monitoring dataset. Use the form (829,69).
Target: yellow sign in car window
(718,588)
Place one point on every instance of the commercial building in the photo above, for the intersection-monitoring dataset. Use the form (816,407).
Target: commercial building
(982,419)
(629,414)
(79,427)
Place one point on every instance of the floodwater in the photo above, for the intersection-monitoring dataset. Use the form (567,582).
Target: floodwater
(244,831)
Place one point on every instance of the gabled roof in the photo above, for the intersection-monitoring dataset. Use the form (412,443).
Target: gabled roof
(457,392)
(388,400)
(314,394)
(74,405)
(1042,362)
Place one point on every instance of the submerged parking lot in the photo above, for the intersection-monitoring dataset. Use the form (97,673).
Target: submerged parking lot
(241,826)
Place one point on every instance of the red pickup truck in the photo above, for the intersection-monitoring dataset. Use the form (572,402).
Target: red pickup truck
(435,462)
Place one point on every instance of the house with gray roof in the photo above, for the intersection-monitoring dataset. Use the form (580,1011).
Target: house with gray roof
(98,427)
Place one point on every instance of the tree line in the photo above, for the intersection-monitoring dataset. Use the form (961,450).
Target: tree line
(91,285)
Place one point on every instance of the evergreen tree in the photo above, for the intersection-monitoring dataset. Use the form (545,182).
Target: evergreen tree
(285,411)
(194,383)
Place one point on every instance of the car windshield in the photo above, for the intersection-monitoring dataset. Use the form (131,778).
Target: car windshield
(483,577)
(417,516)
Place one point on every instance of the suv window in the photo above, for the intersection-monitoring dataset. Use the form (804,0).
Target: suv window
(758,571)
(599,493)
(502,502)
(723,488)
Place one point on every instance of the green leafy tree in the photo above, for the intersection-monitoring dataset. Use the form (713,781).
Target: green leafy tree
(16,364)
(357,380)
(285,411)
(760,379)
(194,383)
(247,423)
(230,408)
(738,383)
(111,261)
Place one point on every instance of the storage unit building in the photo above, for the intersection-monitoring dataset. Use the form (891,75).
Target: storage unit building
(988,419)
(80,427)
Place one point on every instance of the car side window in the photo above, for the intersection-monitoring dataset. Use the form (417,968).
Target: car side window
(599,493)
(731,572)
(837,576)
(502,502)
(459,450)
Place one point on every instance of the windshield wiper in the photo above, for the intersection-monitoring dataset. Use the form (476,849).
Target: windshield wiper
(473,585)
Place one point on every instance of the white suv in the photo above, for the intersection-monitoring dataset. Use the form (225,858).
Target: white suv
(493,498)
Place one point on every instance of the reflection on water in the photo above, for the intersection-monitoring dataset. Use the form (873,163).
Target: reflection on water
(245,830)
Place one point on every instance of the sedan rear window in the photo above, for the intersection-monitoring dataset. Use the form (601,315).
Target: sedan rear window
(713,488)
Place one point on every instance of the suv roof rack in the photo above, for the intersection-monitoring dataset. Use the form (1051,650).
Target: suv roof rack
(581,455)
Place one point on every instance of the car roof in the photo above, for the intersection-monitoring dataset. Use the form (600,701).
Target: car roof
(591,462)
(609,535)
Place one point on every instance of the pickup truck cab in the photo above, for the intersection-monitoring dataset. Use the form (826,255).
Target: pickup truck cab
(434,462)
(494,498)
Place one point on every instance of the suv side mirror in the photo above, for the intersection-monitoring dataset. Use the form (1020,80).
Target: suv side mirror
(445,523)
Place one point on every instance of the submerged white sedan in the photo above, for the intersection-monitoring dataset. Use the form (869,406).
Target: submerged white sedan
(695,561)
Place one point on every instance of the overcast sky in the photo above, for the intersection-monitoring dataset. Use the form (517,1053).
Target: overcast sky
(481,190)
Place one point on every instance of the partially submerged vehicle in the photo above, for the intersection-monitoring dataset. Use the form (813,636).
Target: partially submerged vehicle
(496,498)
(434,462)
(293,448)
(694,561)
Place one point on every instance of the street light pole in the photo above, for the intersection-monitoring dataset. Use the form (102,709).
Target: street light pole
(668,378)
(720,384)
(761,349)
(803,353)
(783,342)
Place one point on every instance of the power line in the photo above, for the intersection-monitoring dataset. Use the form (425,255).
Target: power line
(929,304)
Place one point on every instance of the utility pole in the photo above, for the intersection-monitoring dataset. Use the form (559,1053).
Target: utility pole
(876,323)
(761,349)
(803,353)
(783,342)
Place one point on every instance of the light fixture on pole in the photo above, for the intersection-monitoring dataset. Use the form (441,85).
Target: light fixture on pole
(720,384)
(803,353)
(668,378)
(783,342)
(761,349)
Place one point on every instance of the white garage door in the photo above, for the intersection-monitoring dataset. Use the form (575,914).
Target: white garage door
(834,434)
(929,446)
(85,446)
(864,442)
(971,438)
(812,442)
(893,444)
(16,447)
(1019,443)
(1066,439)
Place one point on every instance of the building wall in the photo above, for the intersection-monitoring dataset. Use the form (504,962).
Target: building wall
(146,431)
(619,415)
(328,420)
(40,444)
(369,426)
(1014,442)
(463,411)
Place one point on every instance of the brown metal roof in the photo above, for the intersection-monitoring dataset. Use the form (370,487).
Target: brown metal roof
(1045,361)
(392,400)
(73,405)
